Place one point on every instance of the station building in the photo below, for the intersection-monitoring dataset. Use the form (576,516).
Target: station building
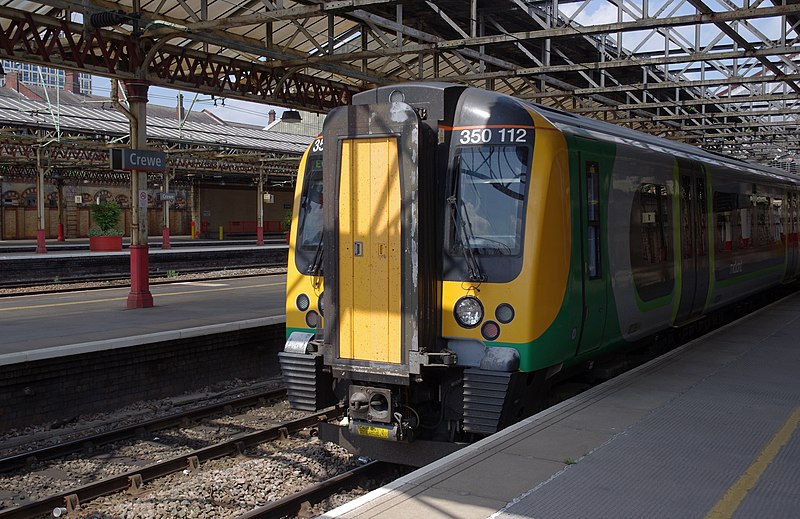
(52,121)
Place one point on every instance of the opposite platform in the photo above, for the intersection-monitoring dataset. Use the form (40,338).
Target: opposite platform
(709,430)
(36,327)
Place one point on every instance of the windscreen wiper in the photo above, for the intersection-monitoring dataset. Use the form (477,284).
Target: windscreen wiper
(316,266)
(473,267)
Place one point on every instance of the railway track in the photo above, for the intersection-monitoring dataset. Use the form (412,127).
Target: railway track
(18,461)
(97,282)
(291,504)
(133,481)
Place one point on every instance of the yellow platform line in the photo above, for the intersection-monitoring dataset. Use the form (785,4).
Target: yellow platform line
(727,506)
(125,298)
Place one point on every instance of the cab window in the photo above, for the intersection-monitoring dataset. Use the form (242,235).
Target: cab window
(488,202)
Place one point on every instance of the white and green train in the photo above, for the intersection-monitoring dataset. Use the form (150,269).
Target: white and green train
(472,248)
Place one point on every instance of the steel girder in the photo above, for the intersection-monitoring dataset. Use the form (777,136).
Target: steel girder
(56,42)
(315,54)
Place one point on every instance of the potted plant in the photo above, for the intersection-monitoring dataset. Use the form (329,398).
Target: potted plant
(286,224)
(105,237)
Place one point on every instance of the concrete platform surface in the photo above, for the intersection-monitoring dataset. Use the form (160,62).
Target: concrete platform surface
(709,430)
(41,326)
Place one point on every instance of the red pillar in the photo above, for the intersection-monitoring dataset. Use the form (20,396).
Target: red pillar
(259,235)
(61,232)
(140,296)
(41,248)
(165,238)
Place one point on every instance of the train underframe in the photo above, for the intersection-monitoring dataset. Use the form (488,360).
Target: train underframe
(443,408)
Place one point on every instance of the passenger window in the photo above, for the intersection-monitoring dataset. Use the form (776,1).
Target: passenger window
(593,219)
(651,242)
(778,234)
(761,208)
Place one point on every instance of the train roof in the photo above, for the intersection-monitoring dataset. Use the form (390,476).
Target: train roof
(434,93)
(592,128)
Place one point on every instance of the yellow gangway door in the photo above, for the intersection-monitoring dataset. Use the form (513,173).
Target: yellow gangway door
(370,283)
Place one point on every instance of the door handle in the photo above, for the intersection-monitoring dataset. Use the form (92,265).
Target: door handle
(358,248)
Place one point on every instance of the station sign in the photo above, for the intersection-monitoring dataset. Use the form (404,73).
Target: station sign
(138,160)
(166,197)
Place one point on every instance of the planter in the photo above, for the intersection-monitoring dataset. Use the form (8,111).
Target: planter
(105,243)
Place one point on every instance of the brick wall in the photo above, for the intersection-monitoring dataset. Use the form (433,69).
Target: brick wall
(62,388)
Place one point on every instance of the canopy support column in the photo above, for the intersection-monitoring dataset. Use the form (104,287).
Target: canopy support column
(140,296)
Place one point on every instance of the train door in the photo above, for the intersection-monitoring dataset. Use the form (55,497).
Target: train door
(369,250)
(693,259)
(791,223)
(595,280)
(374,321)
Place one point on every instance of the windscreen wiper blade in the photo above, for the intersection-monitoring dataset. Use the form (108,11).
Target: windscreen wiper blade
(473,267)
(316,266)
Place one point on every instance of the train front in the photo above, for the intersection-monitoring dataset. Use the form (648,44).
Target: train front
(423,227)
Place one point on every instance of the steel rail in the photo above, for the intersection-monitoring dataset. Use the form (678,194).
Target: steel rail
(47,453)
(98,278)
(134,479)
(291,504)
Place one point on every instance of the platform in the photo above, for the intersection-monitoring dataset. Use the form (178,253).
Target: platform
(29,268)
(36,327)
(709,430)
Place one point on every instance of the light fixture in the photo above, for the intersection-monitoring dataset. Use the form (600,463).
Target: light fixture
(291,116)
(468,312)
(107,19)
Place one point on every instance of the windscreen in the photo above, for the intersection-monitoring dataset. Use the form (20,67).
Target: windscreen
(491,182)
(309,218)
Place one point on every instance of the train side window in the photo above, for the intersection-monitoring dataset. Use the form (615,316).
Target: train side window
(593,219)
(725,214)
(702,217)
(745,223)
(778,223)
(651,242)
(761,205)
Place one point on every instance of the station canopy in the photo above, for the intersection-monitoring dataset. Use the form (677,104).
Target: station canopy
(720,74)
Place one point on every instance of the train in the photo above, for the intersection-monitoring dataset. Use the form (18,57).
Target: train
(455,251)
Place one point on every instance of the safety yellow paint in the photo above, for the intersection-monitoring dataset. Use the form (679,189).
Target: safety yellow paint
(730,502)
(374,432)
(370,282)
(538,291)
(296,282)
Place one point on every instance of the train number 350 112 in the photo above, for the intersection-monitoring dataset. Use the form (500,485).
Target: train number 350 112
(482,135)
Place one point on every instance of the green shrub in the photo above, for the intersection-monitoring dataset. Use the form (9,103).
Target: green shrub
(106,216)
(287,221)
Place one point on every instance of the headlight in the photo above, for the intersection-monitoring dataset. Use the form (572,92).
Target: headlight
(302,302)
(468,312)
(321,304)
